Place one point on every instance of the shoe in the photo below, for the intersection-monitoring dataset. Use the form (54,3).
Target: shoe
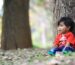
(51,53)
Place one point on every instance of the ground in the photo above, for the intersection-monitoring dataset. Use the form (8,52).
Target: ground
(34,57)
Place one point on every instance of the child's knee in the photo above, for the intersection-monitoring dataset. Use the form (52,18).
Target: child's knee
(69,48)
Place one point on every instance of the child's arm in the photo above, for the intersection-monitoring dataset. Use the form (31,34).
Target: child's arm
(70,40)
(56,41)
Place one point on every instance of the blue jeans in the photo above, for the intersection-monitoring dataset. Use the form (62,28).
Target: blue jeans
(60,49)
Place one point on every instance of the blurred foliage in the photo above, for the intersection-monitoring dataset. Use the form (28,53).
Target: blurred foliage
(40,2)
(41,24)
(0,28)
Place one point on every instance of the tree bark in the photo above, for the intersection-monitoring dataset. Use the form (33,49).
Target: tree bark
(15,25)
(63,8)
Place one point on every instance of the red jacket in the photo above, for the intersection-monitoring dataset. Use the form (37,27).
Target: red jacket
(69,38)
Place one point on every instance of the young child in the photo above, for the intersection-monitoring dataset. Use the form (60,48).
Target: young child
(65,40)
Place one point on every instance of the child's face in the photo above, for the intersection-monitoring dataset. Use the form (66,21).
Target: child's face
(62,28)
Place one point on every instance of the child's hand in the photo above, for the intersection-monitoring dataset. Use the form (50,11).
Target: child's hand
(68,44)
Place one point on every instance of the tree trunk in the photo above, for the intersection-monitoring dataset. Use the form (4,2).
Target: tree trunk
(15,25)
(63,8)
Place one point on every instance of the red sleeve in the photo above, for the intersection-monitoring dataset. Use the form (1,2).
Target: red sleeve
(71,38)
(56,42)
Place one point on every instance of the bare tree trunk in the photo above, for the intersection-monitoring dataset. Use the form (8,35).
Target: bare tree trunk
(63,8)
(15,26)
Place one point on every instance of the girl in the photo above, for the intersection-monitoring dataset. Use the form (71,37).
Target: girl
(65,40)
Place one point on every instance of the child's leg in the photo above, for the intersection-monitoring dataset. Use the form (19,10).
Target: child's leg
(69,48)
(54,50)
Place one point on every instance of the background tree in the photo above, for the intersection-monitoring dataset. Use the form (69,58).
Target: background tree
(64,8)
(15,25)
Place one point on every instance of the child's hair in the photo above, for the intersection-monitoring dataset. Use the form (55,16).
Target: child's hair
(68,22)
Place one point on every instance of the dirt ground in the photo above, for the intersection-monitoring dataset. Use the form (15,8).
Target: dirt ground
(34,57)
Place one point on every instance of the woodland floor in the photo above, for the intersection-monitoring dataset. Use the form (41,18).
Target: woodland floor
(34,57)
